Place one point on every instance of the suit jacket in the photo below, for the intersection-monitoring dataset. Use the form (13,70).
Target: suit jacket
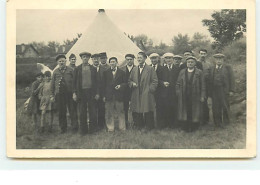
(77,85)
(128,90)
(228,79)
(161,91)
(110,82)
(142,98)
(172,76)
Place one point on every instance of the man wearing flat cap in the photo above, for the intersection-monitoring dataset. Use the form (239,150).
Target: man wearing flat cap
(85,90)
(143,81)
(190,91)
(161,91)
(61,89)
(97,103)
(187,54)
(170,104)
(127,95)
(221,86)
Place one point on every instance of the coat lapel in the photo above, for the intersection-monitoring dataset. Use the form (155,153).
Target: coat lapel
(144,73)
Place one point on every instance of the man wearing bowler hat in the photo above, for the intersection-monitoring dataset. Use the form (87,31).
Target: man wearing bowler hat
(61,89)
(85,90)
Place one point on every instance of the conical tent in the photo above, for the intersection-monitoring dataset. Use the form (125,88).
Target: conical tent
(104,36)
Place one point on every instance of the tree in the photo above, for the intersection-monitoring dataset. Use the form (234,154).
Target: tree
(52,45)
(200,41)
(68,42)
(143,42)
(181,43)
(226,26)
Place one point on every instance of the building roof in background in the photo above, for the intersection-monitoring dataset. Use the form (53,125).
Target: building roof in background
(19,48)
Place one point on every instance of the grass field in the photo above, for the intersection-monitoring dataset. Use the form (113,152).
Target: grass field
(233,136)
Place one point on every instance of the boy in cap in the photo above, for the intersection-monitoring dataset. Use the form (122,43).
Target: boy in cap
(114,84)
(85,90)
(61,92)
(221,86)
(127,95)
(143,81)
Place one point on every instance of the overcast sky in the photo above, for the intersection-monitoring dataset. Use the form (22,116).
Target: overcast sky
(59,25)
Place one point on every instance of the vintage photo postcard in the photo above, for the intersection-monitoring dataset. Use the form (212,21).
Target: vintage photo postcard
(131,80)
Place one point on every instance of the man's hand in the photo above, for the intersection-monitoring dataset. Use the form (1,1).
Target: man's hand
(97,96)
(231,93)
(104,99)
(117,87)
(74,96)
(166,84)
(202,99)
(134,84)
(52,99)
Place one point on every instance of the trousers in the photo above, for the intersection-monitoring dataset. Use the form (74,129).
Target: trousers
(115,115)
(143,120)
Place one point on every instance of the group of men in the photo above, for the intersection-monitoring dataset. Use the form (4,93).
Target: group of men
(103,93)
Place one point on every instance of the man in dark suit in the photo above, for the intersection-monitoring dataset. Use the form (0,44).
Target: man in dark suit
(161,92)
(127,95)
(114,84)
(103,66)
(221,86)
(85,89)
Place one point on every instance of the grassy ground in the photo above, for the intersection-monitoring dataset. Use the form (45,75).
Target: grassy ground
(231,137)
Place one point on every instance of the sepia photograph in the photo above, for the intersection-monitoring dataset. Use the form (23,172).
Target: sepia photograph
(131,79)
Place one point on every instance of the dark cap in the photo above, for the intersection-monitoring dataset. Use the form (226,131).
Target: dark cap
(130,55)
(112,59)
(60,56)
(72,56)
(191,57)
(85,53)
(103,55)
(96,55)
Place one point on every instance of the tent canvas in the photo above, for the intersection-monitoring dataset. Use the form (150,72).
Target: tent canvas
(104,36)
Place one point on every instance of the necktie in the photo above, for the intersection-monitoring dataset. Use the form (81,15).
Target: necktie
(154,66)
(141,66)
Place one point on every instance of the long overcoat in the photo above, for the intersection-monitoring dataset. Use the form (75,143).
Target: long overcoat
(198,92)
(142,98)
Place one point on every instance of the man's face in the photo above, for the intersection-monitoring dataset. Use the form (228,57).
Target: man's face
(73,61)
(85,59)
(47,78)
(191,63)
(103,60)
(203,55)
(140,59)
(130,61)
(187,54)
(113,63)
(177,61)
(168,60)
(61,62)
(95,61)
(154,60)
(219,61)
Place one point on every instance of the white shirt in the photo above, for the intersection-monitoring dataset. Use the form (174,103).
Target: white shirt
(218,67)
(141,69)
(114,72)
(169,67)
(190,70)
(129,67)
(155,66)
